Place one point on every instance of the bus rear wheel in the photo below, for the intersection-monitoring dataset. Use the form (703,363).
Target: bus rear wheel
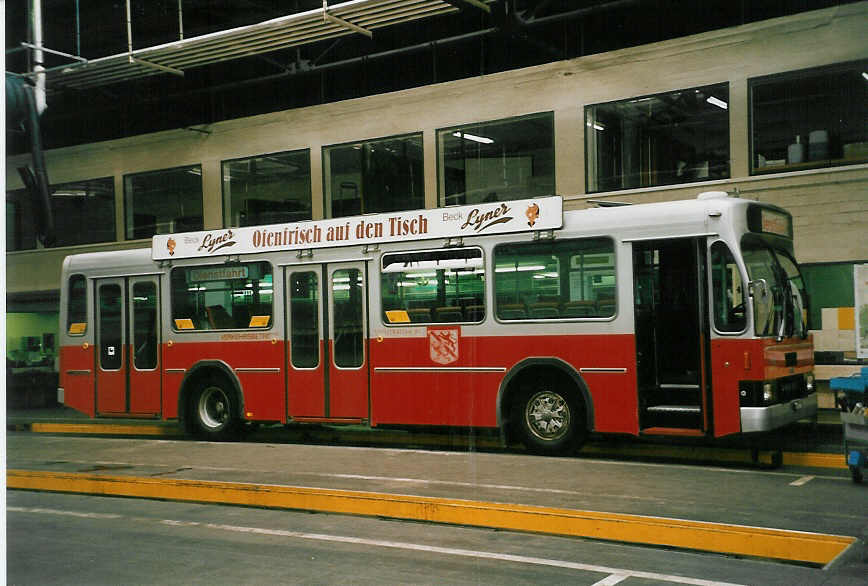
(550,422)
(213,411)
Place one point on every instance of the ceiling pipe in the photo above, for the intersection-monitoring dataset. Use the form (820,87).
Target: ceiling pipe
(38,58)
(22,110)
(578,13)
(513,20)
(343,63)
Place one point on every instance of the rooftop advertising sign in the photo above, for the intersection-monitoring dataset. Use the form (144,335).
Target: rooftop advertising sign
(544,213)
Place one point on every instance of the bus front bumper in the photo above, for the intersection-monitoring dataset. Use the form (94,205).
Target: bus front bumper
(755,419)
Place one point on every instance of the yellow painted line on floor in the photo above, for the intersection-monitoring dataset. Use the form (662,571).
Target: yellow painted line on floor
(712,454)
(105,429)
(812,460)
(778,544)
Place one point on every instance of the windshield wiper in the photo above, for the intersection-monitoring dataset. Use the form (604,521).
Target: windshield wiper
(786,301)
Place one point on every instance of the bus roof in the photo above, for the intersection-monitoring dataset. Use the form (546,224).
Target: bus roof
(633,222)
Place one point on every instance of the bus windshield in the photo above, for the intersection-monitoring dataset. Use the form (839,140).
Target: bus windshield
(785,314)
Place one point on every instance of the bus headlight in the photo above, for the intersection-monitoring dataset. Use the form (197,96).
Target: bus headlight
(809,383)
(768,393)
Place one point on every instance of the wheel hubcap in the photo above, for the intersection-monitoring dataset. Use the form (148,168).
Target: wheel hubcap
(213,408)
(547,415)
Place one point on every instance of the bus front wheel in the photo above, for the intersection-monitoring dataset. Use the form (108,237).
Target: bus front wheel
(213,411)
(550,421)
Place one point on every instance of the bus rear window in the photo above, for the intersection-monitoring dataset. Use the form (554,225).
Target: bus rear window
(566,279)
(222,297)
(76,308)
(433,286)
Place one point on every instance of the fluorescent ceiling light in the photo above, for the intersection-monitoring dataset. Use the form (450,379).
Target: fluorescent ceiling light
(473,137)
(865,74)
(512,269)
(70,193)
(716,102)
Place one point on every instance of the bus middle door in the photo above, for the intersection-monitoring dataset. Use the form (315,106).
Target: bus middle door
(348,380)
(127,339)
(327,342)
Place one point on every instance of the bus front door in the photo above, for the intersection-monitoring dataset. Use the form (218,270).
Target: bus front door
(128,342)
(327,331)
(671,336)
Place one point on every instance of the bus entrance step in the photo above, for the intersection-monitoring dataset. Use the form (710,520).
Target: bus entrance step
(674,409)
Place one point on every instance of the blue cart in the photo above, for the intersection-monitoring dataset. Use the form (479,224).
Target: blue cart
(854,419)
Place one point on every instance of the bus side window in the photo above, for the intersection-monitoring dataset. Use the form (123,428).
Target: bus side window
(568,279)
(76,309)
(222,297)
(727,290)
(433,286)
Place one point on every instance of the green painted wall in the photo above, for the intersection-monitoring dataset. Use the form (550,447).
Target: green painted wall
(20,325)
(829,285)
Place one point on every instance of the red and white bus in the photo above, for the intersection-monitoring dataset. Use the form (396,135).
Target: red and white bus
(684,318)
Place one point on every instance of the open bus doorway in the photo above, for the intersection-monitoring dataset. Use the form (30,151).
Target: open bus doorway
(671,336)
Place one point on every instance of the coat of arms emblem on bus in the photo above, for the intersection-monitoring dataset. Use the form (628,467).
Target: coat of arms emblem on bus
(171,244)
(443,345)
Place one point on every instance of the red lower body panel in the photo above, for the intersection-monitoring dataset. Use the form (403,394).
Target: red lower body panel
(449,379)
(77,378)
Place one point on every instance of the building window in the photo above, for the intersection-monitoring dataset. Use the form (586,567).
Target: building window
(222,297)
(374,176)
(84,211)
(163,202)
(809,119)
(497,161)
(568,279)
(664,139)
(269,189)
(20,221)
(433,286)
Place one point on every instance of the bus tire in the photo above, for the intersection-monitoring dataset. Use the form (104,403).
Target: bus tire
(550,421)
(213,410)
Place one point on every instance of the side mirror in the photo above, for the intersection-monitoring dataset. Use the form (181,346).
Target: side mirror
(763,306)
(759,287)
